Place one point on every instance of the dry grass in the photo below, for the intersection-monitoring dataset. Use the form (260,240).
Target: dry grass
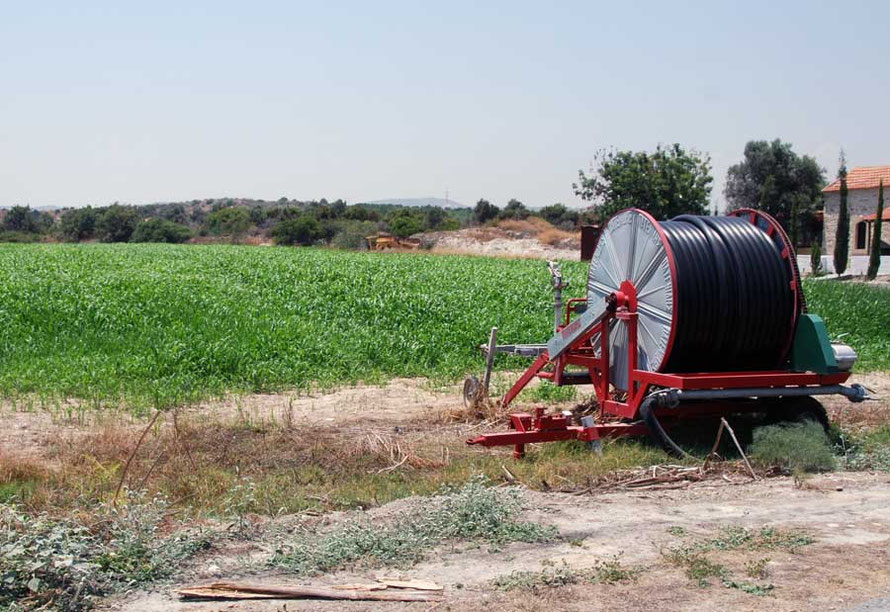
(240,468)
(535,227)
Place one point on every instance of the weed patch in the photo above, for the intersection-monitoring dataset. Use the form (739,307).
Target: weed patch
(792,447)
(869,451)
(474,512)
(609,571)
(695,559)
(67,563)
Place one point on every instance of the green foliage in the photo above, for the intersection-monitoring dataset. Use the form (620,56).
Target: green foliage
(304,230)
(874,259)
(869,451)
(842,235)
(560,216)
(160,230)
(693,556)
(45,561)
(116,223)
(549,393)
(514,210)
(610,571)
(405,221)
(868,331)
(792,447)
(485,211)
(667,182)
(351,234)
(20,237)
(816,258)
(474,512)
(79,224)
(163,323)
(20,219)
(775,179)
(232,221)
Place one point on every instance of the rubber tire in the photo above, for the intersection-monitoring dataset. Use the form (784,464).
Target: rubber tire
(796,410)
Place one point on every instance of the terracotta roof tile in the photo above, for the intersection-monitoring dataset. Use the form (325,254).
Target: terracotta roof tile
(884,217)
(865,177)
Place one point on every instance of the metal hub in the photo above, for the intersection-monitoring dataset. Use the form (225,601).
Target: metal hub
(631,249)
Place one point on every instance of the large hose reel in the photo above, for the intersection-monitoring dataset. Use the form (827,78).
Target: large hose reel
(712,293)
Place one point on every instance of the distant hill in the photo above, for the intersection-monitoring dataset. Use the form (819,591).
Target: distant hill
(439,202)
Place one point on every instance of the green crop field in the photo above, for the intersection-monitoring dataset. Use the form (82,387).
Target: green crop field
(160,324)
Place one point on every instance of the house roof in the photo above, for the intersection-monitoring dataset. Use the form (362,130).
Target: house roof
(873,216)
(864,177)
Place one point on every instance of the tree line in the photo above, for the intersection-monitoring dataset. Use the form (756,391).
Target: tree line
(666,182)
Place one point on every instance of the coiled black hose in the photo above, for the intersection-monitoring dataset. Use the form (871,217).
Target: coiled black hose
(734,302)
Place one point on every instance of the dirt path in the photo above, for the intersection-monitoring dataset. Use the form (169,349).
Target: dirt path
(848,566)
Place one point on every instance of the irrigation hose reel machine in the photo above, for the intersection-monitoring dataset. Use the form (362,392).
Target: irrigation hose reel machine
(684,318)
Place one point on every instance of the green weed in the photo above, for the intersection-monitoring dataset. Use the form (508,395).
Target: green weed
(609,571)
(792,447)
(68,564)
(474,512)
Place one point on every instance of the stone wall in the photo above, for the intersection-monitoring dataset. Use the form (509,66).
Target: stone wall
(862,202)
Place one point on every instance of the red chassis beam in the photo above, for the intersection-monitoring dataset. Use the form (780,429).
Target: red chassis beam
(540,427)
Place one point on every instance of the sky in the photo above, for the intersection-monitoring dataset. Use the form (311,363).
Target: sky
(168,101)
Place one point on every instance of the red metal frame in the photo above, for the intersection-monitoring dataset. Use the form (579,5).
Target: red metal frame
(540,427)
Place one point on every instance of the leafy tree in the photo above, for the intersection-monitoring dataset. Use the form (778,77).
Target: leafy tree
(485,211)
(404,221)
(160,230)
(667,182)
(514,210)
(304,229)
(775,179)
(874,259)
(842,237)
(20,219)
(233,221)
(79,224)
(174,213)
(434,216)
(116,223)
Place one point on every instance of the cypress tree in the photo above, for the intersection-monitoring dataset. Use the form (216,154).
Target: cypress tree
(842,237)
(874,260)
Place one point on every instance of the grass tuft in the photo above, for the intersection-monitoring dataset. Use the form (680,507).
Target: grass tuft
(796,447)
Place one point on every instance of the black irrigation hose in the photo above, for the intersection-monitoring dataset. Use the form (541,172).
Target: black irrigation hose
(734,303)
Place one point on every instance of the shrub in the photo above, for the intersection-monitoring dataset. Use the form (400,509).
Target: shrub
(116,223)
(816,259)
(485,211)
(305,229)
(79,224)
(20,219)
(20,237)
(792,447)
(232,221)
(160,230)
(515,210)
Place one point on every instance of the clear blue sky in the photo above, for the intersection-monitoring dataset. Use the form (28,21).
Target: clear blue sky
(160,101)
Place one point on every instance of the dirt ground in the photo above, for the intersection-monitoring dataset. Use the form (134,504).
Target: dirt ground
(848,566)
(498,242)
(848,514)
